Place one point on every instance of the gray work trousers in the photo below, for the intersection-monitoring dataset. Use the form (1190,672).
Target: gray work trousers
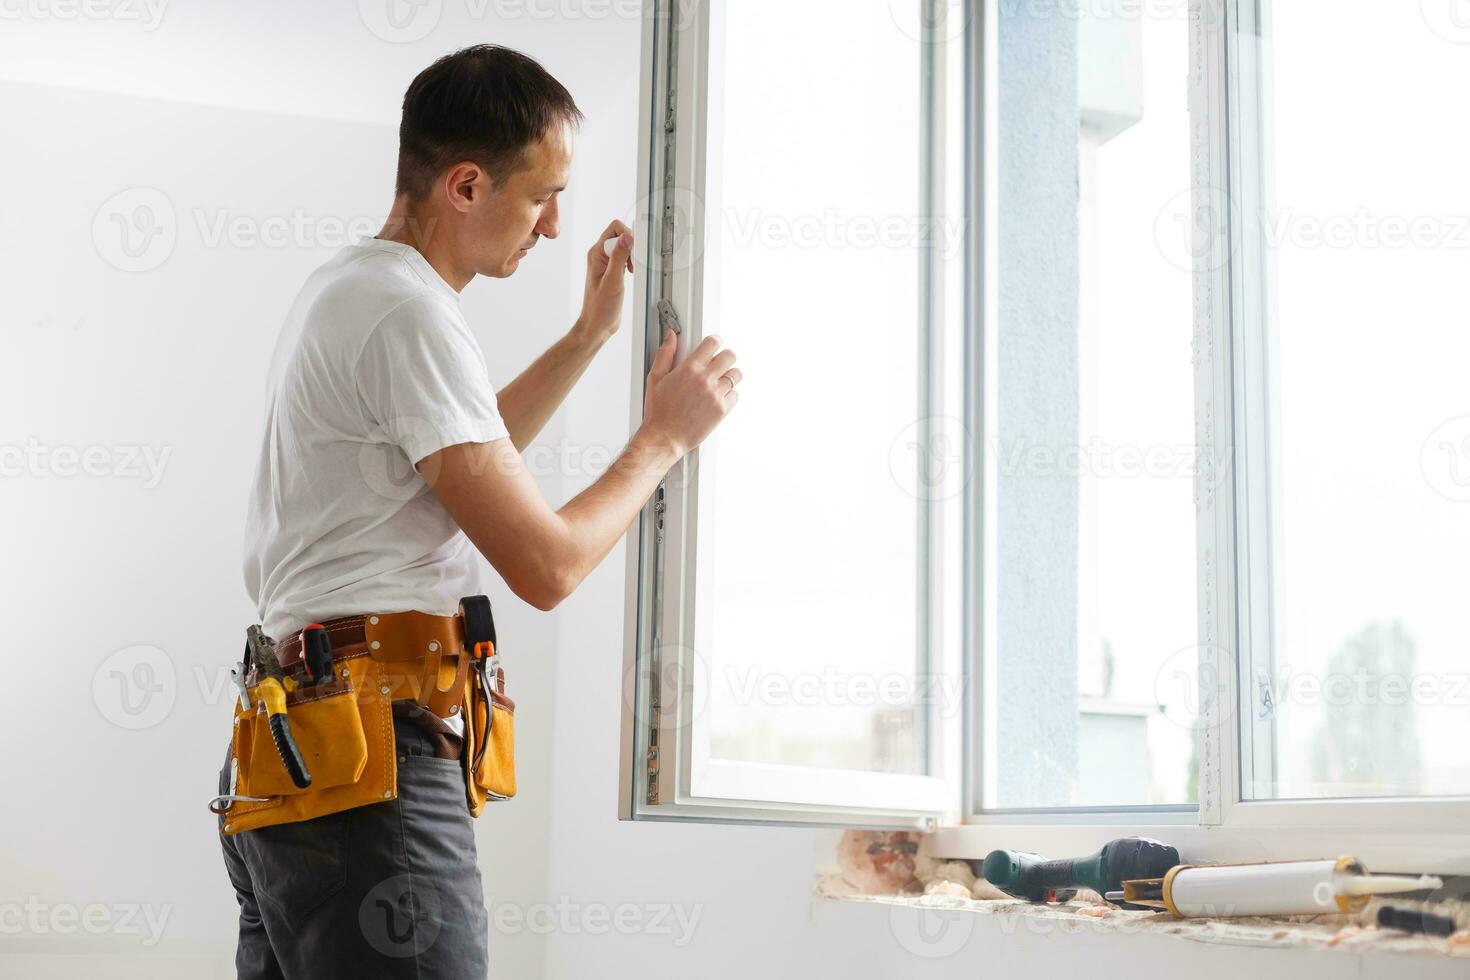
(386,890)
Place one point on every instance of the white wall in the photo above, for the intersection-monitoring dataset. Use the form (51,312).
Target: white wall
(259,110)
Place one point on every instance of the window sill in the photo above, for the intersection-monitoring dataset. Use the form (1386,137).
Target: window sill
(1346,933)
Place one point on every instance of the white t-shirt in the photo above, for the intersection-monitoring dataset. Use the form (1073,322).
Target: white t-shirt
(374,369)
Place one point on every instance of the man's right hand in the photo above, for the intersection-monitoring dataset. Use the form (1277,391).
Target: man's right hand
(683,404)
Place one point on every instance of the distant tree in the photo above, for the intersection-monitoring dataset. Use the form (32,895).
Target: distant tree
(1368,739)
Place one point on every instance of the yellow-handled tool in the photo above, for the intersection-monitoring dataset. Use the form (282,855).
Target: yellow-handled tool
(271,688)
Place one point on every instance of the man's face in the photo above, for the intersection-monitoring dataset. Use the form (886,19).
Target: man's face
(523,209)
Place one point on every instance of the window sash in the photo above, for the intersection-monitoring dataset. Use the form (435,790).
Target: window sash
(664,561)
(1237,591)
(1247,277)
(1238,555)
(982,169)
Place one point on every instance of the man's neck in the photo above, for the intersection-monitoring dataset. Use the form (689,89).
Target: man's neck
(418,231)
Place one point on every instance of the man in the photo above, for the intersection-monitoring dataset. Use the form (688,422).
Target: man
(377,372)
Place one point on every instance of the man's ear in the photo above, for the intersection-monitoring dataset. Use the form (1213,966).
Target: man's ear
(465,183)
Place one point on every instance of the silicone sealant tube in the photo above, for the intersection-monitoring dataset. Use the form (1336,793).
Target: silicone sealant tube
(1294,888)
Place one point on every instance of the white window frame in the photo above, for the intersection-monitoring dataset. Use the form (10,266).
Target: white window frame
(1235,440)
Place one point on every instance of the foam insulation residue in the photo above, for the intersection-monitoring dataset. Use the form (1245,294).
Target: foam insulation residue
(895,868)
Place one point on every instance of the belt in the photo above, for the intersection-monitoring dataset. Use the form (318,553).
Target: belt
(424,656)
(343,632)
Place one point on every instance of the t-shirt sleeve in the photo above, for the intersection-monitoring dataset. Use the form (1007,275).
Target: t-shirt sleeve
(423,381)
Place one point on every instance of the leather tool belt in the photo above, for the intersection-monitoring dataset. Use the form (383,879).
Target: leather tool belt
(343,725)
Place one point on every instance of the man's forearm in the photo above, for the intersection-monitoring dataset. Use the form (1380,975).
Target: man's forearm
(543,554)
(600,515)
(528,402)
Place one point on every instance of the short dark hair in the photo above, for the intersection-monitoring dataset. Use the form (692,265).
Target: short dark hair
(483,103)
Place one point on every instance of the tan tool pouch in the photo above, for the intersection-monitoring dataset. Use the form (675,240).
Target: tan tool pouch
(490,744)
(344,730)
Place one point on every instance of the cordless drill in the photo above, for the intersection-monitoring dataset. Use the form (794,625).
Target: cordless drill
(1035,879)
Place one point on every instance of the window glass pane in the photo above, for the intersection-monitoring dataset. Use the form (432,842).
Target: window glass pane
(1094,558)
(1370,230)
(810,506)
